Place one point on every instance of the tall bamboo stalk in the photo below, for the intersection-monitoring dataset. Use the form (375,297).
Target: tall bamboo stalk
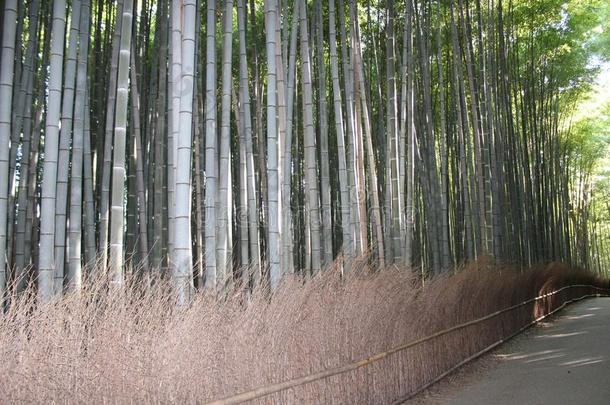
(9,27)
(46,263)
(118,158)
(211,149)
(183,262)
(76,179)
(224,230)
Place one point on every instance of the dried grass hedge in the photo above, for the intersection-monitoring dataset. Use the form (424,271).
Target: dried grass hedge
(101,346)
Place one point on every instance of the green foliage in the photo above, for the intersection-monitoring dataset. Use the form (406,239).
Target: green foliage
(589,140)
(600,37)
(587,145)
(560,41)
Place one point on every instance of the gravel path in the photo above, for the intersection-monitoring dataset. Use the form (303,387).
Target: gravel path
(566,361)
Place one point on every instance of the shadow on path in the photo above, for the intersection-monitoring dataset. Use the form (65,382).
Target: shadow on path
(566,361)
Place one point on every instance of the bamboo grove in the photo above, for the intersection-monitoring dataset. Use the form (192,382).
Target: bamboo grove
(214,142)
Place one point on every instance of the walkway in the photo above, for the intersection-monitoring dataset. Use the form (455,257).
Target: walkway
(564,362)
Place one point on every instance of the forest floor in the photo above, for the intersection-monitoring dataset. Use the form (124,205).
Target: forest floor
(564,361)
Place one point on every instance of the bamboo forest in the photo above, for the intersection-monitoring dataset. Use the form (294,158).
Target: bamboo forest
(260,172)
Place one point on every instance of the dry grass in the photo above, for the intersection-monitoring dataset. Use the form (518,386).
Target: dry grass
(134,347)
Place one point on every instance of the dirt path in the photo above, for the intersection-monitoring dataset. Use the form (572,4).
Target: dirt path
(566,361)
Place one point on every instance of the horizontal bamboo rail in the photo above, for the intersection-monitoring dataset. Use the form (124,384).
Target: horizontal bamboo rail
(282,386)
